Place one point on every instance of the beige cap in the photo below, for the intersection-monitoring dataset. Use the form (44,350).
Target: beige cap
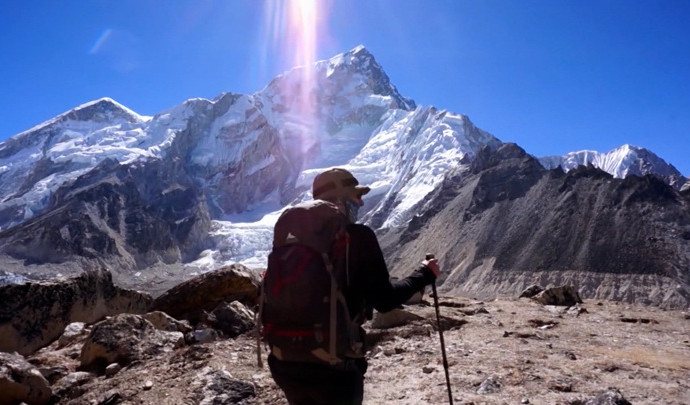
(336,183)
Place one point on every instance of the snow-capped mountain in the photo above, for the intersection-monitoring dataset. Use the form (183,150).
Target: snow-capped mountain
(36,162)
(159,198)
(619,162)
(251,155)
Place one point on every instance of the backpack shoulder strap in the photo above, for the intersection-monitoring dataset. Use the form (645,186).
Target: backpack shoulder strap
(333,307)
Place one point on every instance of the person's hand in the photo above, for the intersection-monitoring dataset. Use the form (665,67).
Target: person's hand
(432,264)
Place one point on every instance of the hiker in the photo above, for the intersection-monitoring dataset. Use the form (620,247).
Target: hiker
(368,286)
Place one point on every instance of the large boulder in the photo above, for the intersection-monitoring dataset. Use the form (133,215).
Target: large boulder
(564,296)
(393,318)
(232,318)
(204,293)
(21,382)
(162,321)
(34,314)
(125,338)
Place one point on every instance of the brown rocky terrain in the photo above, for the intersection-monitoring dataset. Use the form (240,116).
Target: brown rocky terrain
(503,351)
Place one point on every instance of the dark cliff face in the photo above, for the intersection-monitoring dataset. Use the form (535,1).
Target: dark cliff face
(136,215)
(507,222)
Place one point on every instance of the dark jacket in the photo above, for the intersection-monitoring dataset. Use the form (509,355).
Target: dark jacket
(370,285)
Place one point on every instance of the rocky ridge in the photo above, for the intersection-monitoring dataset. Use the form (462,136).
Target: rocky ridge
(506,223)
(34,314)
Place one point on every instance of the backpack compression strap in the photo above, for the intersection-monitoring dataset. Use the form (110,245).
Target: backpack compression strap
(333,309)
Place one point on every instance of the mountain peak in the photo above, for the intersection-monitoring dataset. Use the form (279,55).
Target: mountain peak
(359,48)
(359,52)
(628,148)
(620,162)
(102,110)
(359,56)
(360,60)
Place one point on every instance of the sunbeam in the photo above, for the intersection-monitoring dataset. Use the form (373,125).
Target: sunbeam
(292,31)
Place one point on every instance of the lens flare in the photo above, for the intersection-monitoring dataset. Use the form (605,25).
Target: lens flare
(293,29)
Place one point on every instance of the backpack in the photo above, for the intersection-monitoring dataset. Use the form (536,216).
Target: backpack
(303,315)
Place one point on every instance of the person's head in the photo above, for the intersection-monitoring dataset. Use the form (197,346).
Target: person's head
(339,186)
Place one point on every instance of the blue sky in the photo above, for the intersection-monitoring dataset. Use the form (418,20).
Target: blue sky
(554,76)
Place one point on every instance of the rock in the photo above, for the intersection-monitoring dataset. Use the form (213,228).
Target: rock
(220,388)
(393,318)
(576,310)
(125,338)
(233,319)
(475,311)
(72,385)
(34,314)
(72,332)
(610,397)
(206,335)
(162,321)
(490,386)
(111,397)
(22,382)
(562,296)
(188,300)
(531,291)
(54,373)
(112,369)
(428,369)
(148,385)
(561,385)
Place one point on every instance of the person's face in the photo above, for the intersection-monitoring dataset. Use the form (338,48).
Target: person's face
(357,198)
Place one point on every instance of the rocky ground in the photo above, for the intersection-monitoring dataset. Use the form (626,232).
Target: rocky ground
(506,351)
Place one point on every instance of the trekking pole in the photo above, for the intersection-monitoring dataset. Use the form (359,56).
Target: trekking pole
(440,334)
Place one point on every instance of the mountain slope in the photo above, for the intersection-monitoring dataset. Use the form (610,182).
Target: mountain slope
(253,154)
(507,223)
(227,145)
(121,217)
(35,162)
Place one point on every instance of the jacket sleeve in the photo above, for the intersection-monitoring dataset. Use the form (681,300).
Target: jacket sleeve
(378,290)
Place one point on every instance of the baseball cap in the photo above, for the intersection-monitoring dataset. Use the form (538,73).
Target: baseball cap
(334,183)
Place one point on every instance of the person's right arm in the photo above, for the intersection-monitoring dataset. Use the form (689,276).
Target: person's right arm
(378,289)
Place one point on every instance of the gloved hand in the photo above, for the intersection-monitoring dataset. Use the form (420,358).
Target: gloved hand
(432,264)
